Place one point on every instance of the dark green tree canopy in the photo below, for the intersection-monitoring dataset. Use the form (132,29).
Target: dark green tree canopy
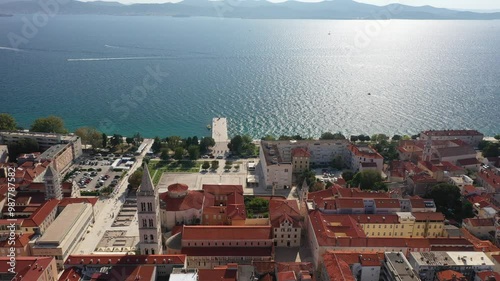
(135,179)
(369,179)
(330,136)
(7,122)
(50,124)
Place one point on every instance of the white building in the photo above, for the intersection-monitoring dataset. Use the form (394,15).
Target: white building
(472,137)
(427,264)
(62,236)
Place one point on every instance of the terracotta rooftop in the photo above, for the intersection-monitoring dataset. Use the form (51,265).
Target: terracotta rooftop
(387,203)
(177,187)
(337,269)
(228,251)
(193,200)
(125,273)
(486,275)
(449,275)
(80,260)
(218,274)
(349,203)
(222,189)
(431,216)
(370,218)
(468,161)
(27,268)
(490,178)
(365,151)
(41,214)
(477,222)
(68,200)
(223,232)
(71,274)
(20,242)
(300,152)
(286,276)
(280,210)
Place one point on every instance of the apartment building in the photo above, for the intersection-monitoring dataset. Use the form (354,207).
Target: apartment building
(471,137)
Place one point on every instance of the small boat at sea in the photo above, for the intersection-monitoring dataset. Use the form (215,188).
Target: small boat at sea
(209,127)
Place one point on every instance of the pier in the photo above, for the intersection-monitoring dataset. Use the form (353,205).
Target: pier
(219,134)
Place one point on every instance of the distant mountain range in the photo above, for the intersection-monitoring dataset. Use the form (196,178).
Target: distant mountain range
(332,9)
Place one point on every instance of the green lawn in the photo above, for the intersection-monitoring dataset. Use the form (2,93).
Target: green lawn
(158,167)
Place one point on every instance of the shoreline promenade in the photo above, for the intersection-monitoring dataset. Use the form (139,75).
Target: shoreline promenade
(219,134)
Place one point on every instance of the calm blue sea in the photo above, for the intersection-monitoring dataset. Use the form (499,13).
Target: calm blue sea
(266,76)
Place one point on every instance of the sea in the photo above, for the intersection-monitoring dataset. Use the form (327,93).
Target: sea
(163,76)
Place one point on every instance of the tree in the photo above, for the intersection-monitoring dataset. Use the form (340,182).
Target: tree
(379,137)
(414,137)
(24,145)
(205,165)
(215,165)
(406,137)
(7,122)
(317,186)
(497,137)
(367,179)
(354,138)
(89,136)
(137,138)
(491,150)
(116,139)
(447,198)
(164,154)
(173,142)
(347,175)
(285,137)
(338,162)
(178,153)
(205,143)
(309,176)
(194,152)
(269,138)
(242,145)
(330,136)
(396,137)
(156,147)
(135,179)
(50,124)
(104,140)
(129,140)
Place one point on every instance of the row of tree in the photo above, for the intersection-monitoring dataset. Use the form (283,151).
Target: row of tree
(242,146)
(177,147)
(49,124)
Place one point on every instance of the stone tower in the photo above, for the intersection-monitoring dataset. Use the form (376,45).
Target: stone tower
(148,216)
(53,187)
(427,154)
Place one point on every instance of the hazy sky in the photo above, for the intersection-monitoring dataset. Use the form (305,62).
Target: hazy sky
(453,4)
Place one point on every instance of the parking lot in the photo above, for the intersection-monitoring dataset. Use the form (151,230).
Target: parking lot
(95,172)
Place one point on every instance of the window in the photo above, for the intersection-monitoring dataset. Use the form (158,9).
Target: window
(150,207)
(152,251)
(151,237)
(144,223)
(145,237)
(146,251)
(151,223)
(143,207)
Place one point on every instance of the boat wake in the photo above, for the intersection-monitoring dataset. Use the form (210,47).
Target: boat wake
(122,58)
(10,49)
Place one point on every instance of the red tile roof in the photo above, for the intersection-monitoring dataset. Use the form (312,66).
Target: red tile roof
(366,152)
(486,275)
(286,276)
(431,216)
(41,214)
(223,232)
(370,218)
(349,203)
(476,222)
(337,269)
(295,266)
(25,267)
(468,162)
(387,203)
(80,260)
(71,274)
(488,176)
(177,187)
(227,251)
(193,200)
(125,273)
(300,152)
(20,242)
(67,201)
(222,189)
(218,274)
(449,275)
(279,210)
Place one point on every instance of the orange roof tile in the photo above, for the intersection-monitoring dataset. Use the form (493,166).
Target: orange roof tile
(25,267)
(218,274)
(177,187)
(387,203)
(300,152)
(431,216)
(449,275)
(193,200)
(79,260)
(223,232)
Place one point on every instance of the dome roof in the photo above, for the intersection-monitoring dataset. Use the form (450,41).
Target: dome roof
(177,187)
